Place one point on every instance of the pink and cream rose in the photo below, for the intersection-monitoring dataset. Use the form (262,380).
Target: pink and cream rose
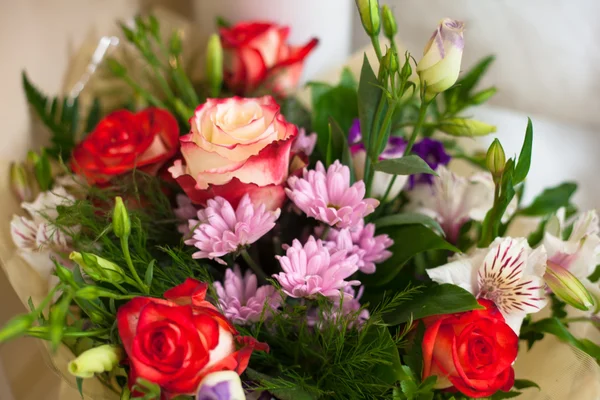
(236,146)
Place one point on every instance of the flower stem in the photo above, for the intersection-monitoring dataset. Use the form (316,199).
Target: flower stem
(417,128)
(253,265)
(376,46)
(136,277)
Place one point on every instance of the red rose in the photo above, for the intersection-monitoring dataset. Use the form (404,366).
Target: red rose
(236,146)
(472,351)
(123,141)
(176,342)
(259,54)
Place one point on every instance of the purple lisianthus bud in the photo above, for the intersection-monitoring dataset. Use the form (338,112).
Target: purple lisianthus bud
(222,385)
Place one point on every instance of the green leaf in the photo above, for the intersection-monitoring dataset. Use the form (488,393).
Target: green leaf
(409,219)
(43,171)
(149,273)
(595,276)
(435,300)
(389,369)
(468,82)
(414,354)
(505,395)
(408,165)
(409,240)
(57,320)
(524,384)
(347,79)
(79,382)
(551,199)
(524,162)
(338,146)
(338,103)
(291,393)
(94,116)
(369,95)
(296,113)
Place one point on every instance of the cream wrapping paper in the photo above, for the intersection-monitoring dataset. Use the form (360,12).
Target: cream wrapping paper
(561,371)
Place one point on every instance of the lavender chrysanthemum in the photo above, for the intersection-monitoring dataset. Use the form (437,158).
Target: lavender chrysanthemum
(326,195)
(184,211)
(242,301)
(313,269)
(304,143)
(220,230)
(361,240)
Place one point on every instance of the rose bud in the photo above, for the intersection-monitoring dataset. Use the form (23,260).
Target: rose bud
(22,183)
(95,361)
(567,287)
(223,385)
(236,146)
(440,65)
(214,65)
(465,127)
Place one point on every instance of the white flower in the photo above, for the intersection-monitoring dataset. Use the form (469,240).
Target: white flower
(453,200)
(36,237)
(508,272)
(580,253)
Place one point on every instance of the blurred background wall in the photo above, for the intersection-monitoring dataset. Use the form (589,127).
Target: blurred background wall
(548,66)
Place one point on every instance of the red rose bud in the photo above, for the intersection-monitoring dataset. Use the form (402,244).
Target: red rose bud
(123,141)
(567,287)
(260,55)
(471,351)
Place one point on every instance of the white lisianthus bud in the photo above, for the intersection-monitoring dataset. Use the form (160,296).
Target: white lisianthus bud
(567,287)
(440,65)
(495,160)
(465,127)
(95,361)
(121,222)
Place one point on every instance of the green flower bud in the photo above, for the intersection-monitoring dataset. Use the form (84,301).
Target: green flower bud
(495,159)
(121,223)
(390,28)
(16,327)
(214,64)
(390,61)
(465,127)
(22,182)
(96,360)
(94,292)
(369,16)
(567,287)
(98,268)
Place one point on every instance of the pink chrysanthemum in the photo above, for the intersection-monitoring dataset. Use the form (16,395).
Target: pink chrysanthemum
(313,269)
(242,300)
(361,240)
(221,230)
(184,212)
(326,195)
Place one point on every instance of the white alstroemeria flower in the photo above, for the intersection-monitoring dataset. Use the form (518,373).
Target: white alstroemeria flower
(509,273)
(580,253)
(36,237)
(453,200)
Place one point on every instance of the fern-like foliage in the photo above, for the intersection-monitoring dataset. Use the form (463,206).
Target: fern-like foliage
(61,117)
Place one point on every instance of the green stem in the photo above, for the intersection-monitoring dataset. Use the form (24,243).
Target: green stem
(376,46)
(41,332)
(136,277)
(147,95)
(417,129)
(121,288)
(253,265)
(387,120)
(575,319)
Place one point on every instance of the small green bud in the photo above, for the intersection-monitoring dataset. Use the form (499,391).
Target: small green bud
(98,268)
(369,16)
(16,327)
(406,72)
(92,292)
(483,96)
(214,64)
(121,223)
(95,361)
(22,183)
(495,159)
(390,28)
(175,45)
(567,287)
(390,60)
(465,127)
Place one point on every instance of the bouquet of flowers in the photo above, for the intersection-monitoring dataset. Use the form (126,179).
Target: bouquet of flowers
(218,238)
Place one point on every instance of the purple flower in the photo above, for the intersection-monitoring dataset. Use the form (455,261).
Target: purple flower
(354,134)
(361,241)
(313,269)
(347,306)
(221,385)
(220,230)
(242,301)
(304,143)
(326,195)
(184,211)
(434,154)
